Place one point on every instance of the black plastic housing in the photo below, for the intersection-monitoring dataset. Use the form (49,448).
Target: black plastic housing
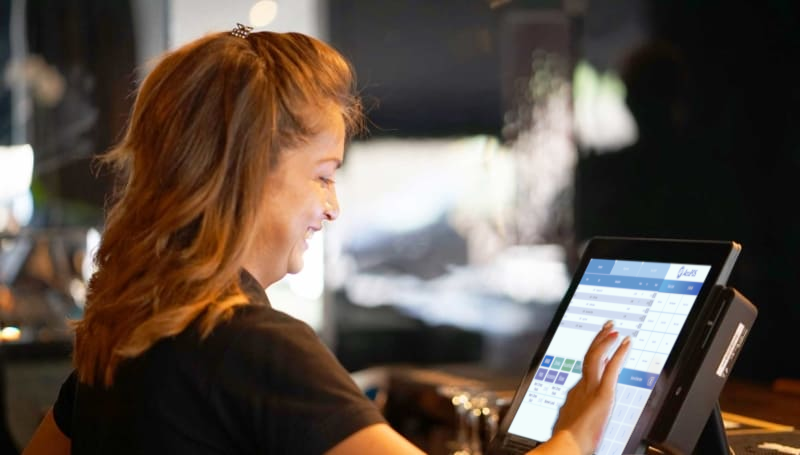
(709,359)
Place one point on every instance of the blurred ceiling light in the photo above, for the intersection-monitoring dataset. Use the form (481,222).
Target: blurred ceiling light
(92,243)
(10,334)
(22,208)
(602,120)
(77,289)
(263,12)
(16,170)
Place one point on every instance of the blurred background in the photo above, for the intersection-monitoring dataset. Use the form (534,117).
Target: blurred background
(503,135)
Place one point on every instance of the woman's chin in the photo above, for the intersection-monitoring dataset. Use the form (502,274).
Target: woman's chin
(295,266)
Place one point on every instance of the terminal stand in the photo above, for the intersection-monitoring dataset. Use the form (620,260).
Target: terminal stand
(713,440)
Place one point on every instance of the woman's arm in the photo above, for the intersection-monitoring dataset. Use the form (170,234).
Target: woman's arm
(48,439)
(378,438)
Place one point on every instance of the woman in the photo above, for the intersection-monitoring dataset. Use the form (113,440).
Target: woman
(229,166)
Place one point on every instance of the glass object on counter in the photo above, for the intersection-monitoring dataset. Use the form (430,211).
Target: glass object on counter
(477,411)
(43,275)
(460,397)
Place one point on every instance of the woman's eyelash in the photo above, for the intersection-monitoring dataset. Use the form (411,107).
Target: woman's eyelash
(327,180)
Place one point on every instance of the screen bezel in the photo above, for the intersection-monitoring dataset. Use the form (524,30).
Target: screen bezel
(717,254)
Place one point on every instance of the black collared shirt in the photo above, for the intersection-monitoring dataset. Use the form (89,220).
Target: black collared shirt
(262,382)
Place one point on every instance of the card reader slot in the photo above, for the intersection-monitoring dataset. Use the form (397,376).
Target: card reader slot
(722,303)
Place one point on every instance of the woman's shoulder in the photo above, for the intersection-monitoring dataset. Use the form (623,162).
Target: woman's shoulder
(254,337)
(263,332)
(248,351)
(258,321)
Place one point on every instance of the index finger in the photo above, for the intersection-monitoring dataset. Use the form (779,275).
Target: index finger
(593,360)
(614,365)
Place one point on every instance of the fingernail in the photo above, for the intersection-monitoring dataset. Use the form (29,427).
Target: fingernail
(608,325)
(613,334)
(626,340)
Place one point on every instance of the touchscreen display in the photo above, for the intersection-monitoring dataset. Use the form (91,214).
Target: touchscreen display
(649,301)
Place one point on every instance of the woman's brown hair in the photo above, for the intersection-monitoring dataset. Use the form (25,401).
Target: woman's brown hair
(208,125)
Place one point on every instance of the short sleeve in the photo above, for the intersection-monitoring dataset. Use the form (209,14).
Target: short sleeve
(64,405)
(290,389)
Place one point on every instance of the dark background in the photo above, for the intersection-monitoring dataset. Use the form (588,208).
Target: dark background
(724,167)
(728,168)
(426,68)
(713,86)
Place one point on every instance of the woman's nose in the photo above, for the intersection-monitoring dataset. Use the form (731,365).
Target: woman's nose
(332,207)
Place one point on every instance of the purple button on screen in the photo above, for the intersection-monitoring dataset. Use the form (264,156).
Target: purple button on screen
(551,376)
(562,378)
(540,374)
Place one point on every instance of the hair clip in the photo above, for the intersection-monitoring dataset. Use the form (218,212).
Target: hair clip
(241,31)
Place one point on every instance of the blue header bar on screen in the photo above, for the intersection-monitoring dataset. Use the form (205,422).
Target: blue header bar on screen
(654,270)
(603,266)
(627,268)
(646,276)
(645,284)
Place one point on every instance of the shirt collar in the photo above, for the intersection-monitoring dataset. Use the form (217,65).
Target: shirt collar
(252,288)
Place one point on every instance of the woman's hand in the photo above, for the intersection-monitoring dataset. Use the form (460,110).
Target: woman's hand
(588,404)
